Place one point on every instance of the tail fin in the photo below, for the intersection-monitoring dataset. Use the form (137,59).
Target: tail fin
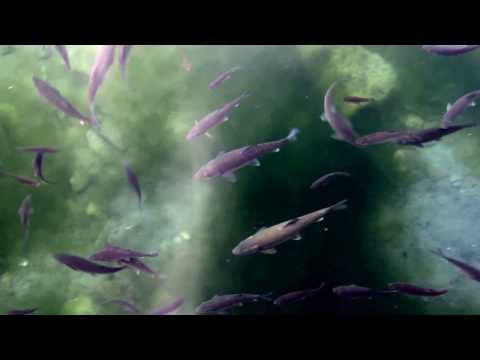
(438,252)
(292,135)
(267,297)
(342,205)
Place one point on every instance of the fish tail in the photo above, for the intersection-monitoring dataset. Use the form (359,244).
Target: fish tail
(342,205)
(292,135)
(438,252)
(267,296)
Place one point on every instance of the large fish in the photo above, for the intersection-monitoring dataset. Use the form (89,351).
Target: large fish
(115,253)
(343,128)
(25,211)
(455,110)
(174,305)
(354,292)
(411,289)
(224,302)
(266,240)
(225,164)
(123,57)
(56,99)
(103,61)
(471,271)
(62,50)
(214,118)
(80,264)
(328,179)
(221,78)
(419,138)
(297,296)
(449,50)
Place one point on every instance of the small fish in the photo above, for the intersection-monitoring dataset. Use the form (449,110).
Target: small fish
(134,183)
(125,304)
(380,137)
(39,150)
(459,107)
(38,167)
(139,265)
(103,61)
(115,253)
(22,311)
(25,211)
(80,264)
(23,179)
(356,99)
(122,60)
(354,291)
(56,99)
(328,179)
(221,78)
(471,271)
(450,50)
(266,240)
(225,164)
(214,118)
(411,289)
(419,138)
(343,128)
(169,308)
(224,302)
(297,296)
(62,50)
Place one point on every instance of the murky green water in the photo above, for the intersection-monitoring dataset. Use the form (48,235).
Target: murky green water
(404,201)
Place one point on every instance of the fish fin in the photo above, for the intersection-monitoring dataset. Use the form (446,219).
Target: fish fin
(336,137)
(207,134)
(254,162)
(225,119)
(230,177)
(323,117)
(269,252)
(291,222)
(297,237)
(267,296)
(276,150)
(320,220)
(473,104)
(261,229)
(449,106)
(421,145)
(292,135)
(248,148)
(342,205)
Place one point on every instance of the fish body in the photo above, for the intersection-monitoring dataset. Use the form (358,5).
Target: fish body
(328,179)
(115,253)
(25,211)
(134,183)
(225,164)
(225,302)
(450,50)
(459,107)
(354,291)
(419,138)
(221,78)
(80,264)
(62,50)
(169,308)
(266,240)
(214,118)
(297,296)
(380,137)
(471,271)
(342,127)
(103,62)
(411,289)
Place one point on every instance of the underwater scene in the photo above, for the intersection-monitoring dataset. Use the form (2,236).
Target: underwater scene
(239,180)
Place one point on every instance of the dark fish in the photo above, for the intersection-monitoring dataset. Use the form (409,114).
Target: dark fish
(224,302)
(411,289)
(139,265)
(221,78)
(455,110)
(353,291)
(419,138)
(62,50)
(449,50)
(356,99)
(380,137)
(134,183)
(37,149)
(470,270)
(38,167)
(126,305)
(169,308)
(103,62)
(80,264)
(328,179)
(22,311)
(225,164)
(115,253)
(122,61)
(55,99)
(24,212)
(297,296)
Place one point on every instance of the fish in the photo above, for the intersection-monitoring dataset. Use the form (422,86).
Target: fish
(139,265)
(125,304)
(471,271)
(411,289)
(419,138)
(38,167)
(174,305)
(78,263)
(123,57)
(134,183)
(25,211)
(22,311)
(23,179)
(103,61)
(225,164)
(354,291)
(221,78)
(224,302)
(380,137)
(62,50)
(449,50)
(356,99)
(455,110)
(214,118)
(297,296)
(55,98)
(266,240)
(342,127)
(39,149)
(328,179)
(115,253)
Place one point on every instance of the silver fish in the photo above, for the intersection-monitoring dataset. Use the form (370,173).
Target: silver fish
(62,50)
(297,296)
(221,78)
(103,62)
(224,302)
(25,211)
(459,107)
(328,179)
(450,50)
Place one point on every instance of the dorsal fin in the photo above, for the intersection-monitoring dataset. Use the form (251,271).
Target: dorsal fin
(291,222)
(248,148)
